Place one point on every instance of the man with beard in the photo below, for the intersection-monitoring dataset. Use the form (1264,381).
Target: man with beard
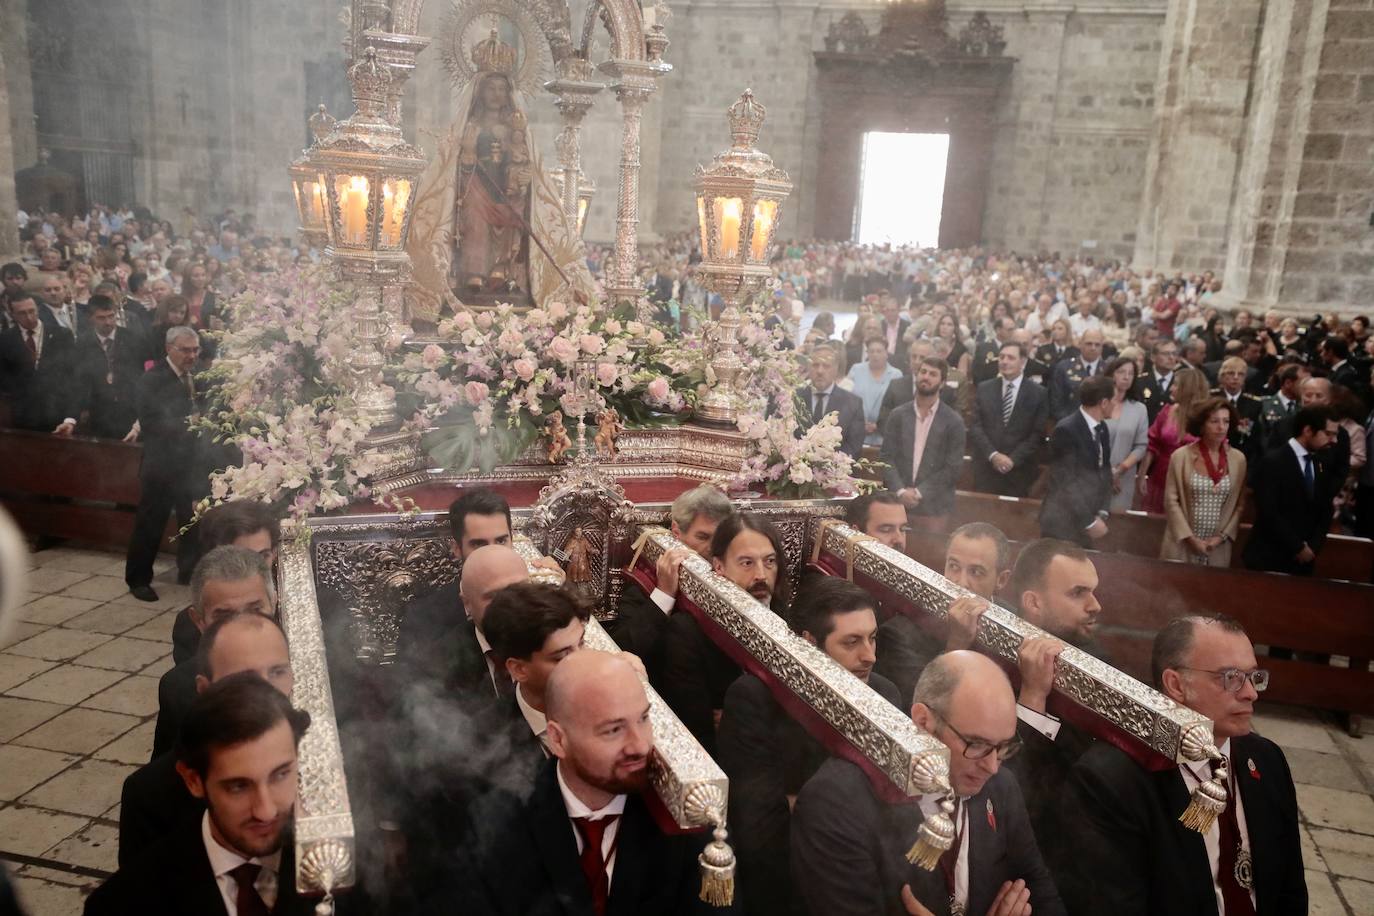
(769,756)
(880,515)
(642,620)
(237,752)
(1076,503)
(1053,585)
(1126,852)
(584,840)
(849,846)
(923,447)
(747,550)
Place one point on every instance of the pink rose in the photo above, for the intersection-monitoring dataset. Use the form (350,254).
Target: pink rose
(563,350)
(558,311)
(656,337)
(606,374)
(524,369)
(462,321)
(484,321)
(476,392)
(658,389)
(591,344)
(432,356)
(613,327)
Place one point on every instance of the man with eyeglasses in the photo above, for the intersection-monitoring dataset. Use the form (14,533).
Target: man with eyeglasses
(171,477)
(849,846)
(1125,852)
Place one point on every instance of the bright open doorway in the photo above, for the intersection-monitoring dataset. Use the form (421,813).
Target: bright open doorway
(903,188)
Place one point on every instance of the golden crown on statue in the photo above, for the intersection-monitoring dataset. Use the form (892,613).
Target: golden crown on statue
(492,55)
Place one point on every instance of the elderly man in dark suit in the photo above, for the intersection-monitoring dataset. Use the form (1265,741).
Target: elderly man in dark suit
(769,756)
(849,846)
(1124,851)
(823,396)
(109,363)
(1293,492)
(1008,426)
(584,841)
(36,361)
(238,754)
(171,476)
(923,446)
(1080,491)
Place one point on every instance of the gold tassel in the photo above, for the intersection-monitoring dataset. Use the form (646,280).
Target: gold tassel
(1208,801)
(717,863)
(934,838)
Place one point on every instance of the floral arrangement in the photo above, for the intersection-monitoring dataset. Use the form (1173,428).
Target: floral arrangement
(789,466)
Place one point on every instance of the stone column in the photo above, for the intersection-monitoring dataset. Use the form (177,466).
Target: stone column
(9,202)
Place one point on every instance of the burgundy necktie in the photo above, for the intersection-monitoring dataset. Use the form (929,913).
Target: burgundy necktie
(106,344)
(33,346)
(248,902)
(1235,897)
(593,863)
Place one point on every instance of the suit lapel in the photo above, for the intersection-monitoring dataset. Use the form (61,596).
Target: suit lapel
(984,850)
(634,837)
(197,889)
(557,848)
(1192,848)
(1259,825)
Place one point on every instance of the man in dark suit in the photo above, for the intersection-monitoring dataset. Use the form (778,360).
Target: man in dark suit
(902,391)
(238,754)
(923,446)
(747,550)
(155,800)
(896,329)
(170,476)
(109,363)
(1293,493)
(227,581)
(584,841)
(823,396)
(1152,388)
(1245,436)
(1124,851)
(642,620)
(849,846)
(1315,391)
(1334,353)
(986,353)
(1037,371)
(1008,425)
(1070,373)
(437,640)
(769,756)
(1080,491)
(36,361)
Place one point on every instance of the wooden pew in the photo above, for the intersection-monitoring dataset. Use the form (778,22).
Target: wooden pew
(1325,617)
(82,487)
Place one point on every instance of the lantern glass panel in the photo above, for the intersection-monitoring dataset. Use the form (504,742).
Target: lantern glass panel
(729,212)
(765,213)
(701,218)
(582,203)
(352,193)
(395,205)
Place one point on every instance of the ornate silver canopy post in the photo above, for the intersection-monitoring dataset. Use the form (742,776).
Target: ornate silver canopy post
(575,92)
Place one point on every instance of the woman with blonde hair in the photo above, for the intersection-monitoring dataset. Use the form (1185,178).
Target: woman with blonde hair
(1169,432)
(1202,493)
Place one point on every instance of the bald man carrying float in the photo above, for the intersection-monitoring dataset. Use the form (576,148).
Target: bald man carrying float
(849,847)
(583,841)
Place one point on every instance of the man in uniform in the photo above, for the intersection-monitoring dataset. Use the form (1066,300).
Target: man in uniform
(1245,435)
(1071,373)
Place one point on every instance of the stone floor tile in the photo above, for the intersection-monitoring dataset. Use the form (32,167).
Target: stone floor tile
(1333,808)
(159,667)
(113,813)
(66,684)
(123,654)
(82,561)
(44,898)
(59,645)
(1311,855)
(100,588)
(31,831)
(170,597)
(1315,768)
(95,847)
(1348,854)
(133,696)
(1360,747)
(22,768)
(54,609)
(1294,728)
(56,876)
(16,669)
(89,787)
(1359,894)
(18,716)
(135,746)
(46,581)
(78,731)
(1321,896)
(157,629)
(20,631)
(111,618)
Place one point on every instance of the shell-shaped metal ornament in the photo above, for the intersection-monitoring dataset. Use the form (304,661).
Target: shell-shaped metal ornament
(1197,743)
(930,774)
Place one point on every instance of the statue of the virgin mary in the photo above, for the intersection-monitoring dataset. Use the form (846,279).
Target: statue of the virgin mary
(488,225)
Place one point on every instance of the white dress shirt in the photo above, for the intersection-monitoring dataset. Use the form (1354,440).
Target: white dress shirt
(664,600)
(1042,722)
(492,671)
(577,809)
(223,861)
(536,720)
(1198,771)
